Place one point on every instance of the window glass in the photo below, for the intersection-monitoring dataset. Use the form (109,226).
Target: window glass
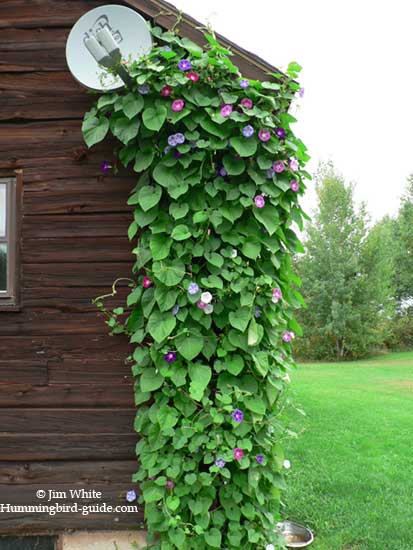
(2,209)
(3,267)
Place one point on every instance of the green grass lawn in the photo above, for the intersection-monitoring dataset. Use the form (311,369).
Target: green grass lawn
(351,479)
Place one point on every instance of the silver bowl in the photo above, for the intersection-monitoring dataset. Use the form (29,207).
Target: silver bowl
(294,534)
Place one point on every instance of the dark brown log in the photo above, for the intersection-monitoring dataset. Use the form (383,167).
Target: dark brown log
(64,347)
(70,299)
(25,473)
(14,447)
(86,371)
(43,13)
(32,39)
(14,372)
(75,225)
(78,250)
(66,421)
(38,322)
(65,395)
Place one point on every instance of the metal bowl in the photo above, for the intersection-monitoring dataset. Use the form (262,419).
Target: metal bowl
(295,535)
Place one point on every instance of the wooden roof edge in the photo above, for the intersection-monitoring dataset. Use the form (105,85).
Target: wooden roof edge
(165,14)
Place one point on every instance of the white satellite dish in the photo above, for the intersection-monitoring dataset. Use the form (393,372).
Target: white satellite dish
(103,36)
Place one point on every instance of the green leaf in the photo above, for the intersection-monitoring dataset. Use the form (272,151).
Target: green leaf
(245,147)
(251,249)
(215,259)
(169,273)
(154,117)
(269,217)
(270,85)
(149,196)
(150,380)
(160,325)
(94,129)
(165,298)
(190,345)
(180,233)
(213,281)
(213,537)
(240,318)
(255,405)
(143,159)
(214,129)
(233,166)
(200,376)
(192,48)
(125,129)
(165,175)
(160,245)
(153,494)
(255,333)
(132,104)
(235,364)
(178,210)
(172,502)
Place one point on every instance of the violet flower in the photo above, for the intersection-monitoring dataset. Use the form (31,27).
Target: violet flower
(259,201)
(184,65)
(170,357)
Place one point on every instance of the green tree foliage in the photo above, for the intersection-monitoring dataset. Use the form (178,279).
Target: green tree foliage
(403,275)
(342,274)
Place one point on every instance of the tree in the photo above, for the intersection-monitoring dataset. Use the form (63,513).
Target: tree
(403,277)
(341,275)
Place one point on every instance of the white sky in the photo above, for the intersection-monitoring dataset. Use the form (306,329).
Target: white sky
(358,79)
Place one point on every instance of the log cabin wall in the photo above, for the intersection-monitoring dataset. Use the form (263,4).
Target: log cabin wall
(66,400)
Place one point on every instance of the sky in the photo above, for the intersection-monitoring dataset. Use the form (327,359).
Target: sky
(357,109)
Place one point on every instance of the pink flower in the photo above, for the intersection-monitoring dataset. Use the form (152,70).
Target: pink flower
(178,105)
(201,304)
(293,164)
(276,295)
(166,91)
(192,76)
(278,166)
(226,110)
(146,282)
(295,186)
(238,453)
(264,134)
(287,336)
(259,201)
(247,103)
(170,484)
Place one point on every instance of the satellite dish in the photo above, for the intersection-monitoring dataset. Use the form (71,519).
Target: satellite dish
(101,38)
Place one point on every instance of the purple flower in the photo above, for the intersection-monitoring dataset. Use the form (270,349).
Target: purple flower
(293,164)
(270,173)
(220,462)
(264,134)
(295,186)
(287,336)
(247,103)
(257,312)
(238,416)
(184,65)
(238,453)
(193,289)
(172,141)
(144,89)
(222,172)
(105,167)
(131,496)
(247,131)
(177,154)
(180,138)
(301,92)
(259,459)
(259,201)
(170,357)
(276,295)
(175,310)
(178,105)
(278,166)
(244,83)
(170,484)
(280,133)
(166,49)
(226,110)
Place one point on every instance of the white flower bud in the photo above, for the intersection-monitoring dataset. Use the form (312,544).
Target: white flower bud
(234,253)
(206,297)
(208,309)
(287,464)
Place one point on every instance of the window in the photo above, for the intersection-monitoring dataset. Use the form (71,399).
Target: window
(10,193)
